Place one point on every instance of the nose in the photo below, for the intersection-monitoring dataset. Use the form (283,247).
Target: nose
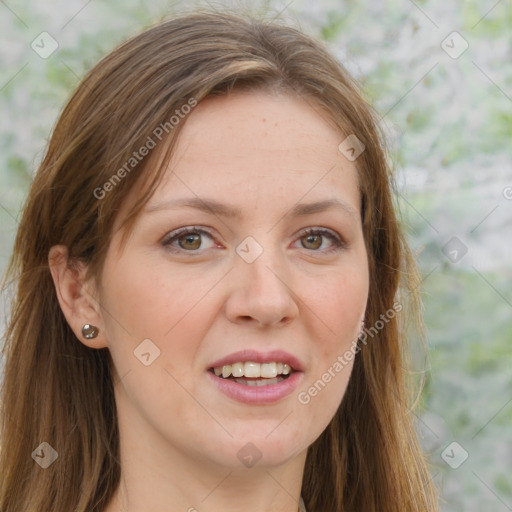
(262,292)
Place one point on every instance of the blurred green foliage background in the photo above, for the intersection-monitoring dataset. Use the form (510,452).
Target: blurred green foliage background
(449,127)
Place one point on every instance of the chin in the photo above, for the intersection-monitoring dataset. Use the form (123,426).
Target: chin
(254,449)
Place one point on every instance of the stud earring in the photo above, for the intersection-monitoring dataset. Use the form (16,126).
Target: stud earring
(89,331)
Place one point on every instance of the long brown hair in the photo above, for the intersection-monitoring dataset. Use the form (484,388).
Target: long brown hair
(57,390)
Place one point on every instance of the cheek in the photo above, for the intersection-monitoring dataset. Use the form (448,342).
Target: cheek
(172,310)
(339,303)
(339,307)
(152,301)
(175,315)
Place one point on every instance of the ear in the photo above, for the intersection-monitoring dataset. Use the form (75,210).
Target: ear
(77,298)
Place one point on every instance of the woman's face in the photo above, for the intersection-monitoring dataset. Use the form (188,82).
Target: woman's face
(198,289)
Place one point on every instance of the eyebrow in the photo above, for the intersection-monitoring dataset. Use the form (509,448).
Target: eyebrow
(214,207)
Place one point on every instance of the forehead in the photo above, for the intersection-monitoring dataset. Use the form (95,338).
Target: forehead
(262,148)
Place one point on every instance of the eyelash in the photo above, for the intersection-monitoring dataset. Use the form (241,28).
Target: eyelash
(338,242)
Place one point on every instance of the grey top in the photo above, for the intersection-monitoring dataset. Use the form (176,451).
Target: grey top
(302,507)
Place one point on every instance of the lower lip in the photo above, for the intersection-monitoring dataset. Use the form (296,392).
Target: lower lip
(257,395)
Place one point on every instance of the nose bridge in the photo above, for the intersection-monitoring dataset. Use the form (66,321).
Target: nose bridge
(263,289)
(261,265)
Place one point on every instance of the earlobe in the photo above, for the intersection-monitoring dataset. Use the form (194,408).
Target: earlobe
(76,297)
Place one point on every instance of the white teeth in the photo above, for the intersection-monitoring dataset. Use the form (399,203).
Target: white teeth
(269,370)
(253,370)
(237,370)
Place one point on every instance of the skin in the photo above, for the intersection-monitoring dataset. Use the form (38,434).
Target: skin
(180,436)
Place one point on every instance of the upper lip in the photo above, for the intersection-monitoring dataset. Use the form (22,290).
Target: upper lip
(255,356)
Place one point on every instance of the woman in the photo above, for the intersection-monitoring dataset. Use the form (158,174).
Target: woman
(208,308)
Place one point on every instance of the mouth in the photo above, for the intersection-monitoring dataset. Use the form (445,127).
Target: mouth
(255,378)
(250,373)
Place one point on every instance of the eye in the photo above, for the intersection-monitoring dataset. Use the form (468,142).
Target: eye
(188,239)
(312,239)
